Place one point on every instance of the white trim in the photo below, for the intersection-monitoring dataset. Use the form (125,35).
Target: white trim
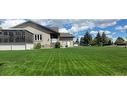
(16,47)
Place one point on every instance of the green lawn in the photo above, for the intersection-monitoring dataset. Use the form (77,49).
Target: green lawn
(70,61)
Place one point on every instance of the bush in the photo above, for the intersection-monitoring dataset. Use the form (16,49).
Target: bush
(57,45)
(66,46)
(37,46)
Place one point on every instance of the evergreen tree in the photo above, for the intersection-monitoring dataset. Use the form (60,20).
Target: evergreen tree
(87,38)
(81,40)
(110,42)
(77,41)
(98,39)
(93,42)
(104,38)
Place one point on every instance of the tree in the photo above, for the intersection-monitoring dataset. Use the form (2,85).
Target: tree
(104,38)
(120,41)
(77,41)
(81,40)
(98,39)
(93,42)
(110,42)
(87,38)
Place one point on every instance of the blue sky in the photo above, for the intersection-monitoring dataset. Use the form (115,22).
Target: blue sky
(112,27)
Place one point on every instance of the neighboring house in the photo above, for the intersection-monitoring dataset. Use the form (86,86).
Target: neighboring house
(26,35)
(66,40)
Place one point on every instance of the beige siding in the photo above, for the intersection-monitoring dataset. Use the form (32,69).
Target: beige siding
(45,36)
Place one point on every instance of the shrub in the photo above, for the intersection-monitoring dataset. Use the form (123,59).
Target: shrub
(37,46)
(57,45)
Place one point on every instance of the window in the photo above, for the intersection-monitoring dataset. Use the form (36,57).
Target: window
(35,37)
(0,33)
(5,33)
(38,37)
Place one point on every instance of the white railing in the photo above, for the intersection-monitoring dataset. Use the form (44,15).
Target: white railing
(54,40)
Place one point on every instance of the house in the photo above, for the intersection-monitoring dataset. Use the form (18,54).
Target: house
(24,36)
(66,40)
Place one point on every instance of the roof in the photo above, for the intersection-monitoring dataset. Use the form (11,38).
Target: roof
(15,29)
(12,29)
(54,28)
(49,30)
(66,35)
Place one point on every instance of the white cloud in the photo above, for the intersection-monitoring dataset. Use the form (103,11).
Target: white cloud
(63,30)
(11,23)
(75,28)
(93,32)
(106,32)
(113,33)
(103,25)
(100,31)
(105,22)
(121,28)
(109,36)
(84,28)
(125,27)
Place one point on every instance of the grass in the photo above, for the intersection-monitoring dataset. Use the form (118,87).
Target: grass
(83,61)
